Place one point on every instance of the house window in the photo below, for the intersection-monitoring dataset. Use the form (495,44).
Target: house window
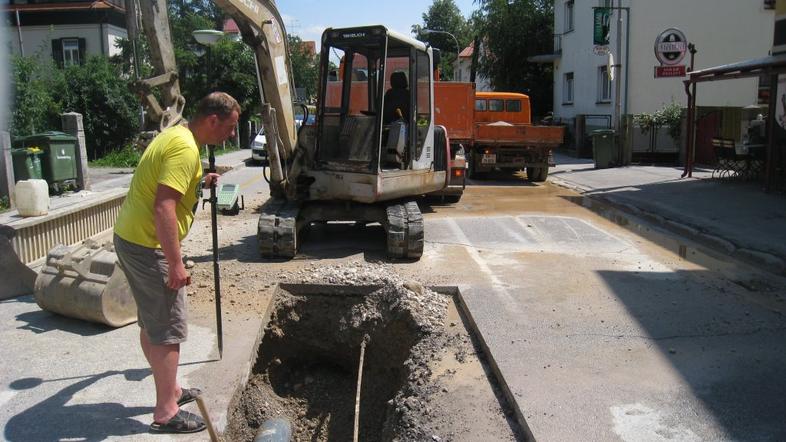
(567,89)
(569,16)
(70,51)
(604,85)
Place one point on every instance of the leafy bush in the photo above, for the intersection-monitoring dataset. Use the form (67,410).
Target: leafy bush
(4,204)
(669,116)
(98,90)
(125,157)
(220,150)
(110,112)
(35,109)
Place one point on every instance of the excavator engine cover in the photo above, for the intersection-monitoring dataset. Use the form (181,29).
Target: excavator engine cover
(85,282)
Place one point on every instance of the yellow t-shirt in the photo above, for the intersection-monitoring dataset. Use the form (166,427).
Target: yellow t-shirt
(172,159)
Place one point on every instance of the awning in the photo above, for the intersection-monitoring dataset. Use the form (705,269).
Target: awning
(748,68)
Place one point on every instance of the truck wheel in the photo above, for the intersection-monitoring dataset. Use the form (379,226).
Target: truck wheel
(452,199)
(544,173)
(472,173)
(537,174)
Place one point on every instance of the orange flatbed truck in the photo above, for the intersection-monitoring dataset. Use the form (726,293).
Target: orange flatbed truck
(506,139)
(454,104)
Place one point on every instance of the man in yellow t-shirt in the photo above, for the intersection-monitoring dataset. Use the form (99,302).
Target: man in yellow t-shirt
(156,215)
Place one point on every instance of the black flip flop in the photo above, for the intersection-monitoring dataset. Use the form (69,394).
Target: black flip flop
(188,395)
(182,422)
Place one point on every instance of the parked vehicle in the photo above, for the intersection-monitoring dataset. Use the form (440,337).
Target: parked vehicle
(259,143)
(259,148)
(505,139)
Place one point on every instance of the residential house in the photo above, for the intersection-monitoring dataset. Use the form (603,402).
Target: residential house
(723,31)
(482,83)
(66,30)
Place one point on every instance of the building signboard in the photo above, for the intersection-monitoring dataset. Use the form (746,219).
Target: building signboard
(601,26)
(670,71)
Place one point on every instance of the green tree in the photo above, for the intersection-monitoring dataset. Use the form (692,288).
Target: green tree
(231,69)
(99,91)
(511,31)
(305,66)
(34,107)
(444,15)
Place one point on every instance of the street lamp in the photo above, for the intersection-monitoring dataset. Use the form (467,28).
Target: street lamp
(458,49)
(207,38)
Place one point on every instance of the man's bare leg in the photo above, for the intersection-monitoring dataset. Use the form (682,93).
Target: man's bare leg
(164,360)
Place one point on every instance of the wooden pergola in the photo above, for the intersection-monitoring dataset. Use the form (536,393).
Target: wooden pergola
(771,67)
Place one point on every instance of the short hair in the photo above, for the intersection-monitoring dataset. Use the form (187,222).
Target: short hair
(216,103)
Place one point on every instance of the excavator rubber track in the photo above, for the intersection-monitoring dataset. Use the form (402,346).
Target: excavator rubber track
(404,230)
(277,229)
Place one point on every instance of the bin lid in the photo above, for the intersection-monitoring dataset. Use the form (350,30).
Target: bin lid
(48,136)
(603,132)
(26,151)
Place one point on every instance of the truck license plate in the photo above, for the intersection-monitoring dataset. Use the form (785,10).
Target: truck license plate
(489,158)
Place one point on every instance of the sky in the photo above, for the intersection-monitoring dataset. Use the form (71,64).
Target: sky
(308,18)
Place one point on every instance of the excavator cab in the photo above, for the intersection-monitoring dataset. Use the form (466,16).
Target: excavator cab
(375,115)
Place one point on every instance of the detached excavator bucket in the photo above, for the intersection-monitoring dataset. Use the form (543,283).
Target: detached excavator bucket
(85,282)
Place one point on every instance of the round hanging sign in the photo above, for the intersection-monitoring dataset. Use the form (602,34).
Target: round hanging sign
(670,46)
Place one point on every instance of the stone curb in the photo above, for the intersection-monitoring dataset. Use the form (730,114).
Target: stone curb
(764,260)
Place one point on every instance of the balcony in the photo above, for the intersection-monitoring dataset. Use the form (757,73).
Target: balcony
(552,56)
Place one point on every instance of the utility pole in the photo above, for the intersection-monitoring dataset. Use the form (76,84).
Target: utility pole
(618,86)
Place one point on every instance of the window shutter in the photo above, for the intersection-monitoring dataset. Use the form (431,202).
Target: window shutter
(57,51)
(82,47)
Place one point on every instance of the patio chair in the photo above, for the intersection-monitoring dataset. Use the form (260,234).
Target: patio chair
(729,164)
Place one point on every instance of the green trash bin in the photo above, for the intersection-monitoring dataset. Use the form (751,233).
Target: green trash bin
(59,157)
(605,151)
(27,164)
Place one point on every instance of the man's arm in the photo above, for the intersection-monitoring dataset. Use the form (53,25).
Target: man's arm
(167,233)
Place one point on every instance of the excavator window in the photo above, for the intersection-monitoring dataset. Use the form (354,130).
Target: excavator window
(423,118)
(349,115)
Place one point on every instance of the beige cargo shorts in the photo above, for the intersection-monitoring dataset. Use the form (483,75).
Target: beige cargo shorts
(161,311)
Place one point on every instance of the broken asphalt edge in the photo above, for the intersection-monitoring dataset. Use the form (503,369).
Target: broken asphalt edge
(761,259)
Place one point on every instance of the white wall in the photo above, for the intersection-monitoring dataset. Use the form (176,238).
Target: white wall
(724,31)
(482,83)
(38,39)
(112,34)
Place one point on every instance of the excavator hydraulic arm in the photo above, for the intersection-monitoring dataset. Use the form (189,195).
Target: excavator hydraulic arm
(155,23)
(262,29)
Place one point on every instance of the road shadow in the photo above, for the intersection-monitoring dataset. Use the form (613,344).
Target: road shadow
(739,213)
(502,178)
(41,321)
(317,241)
(53,420)
(731,351)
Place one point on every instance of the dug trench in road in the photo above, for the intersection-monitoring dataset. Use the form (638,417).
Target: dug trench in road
(601,332)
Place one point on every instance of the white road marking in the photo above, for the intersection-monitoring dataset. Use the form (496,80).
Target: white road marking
(499,286)
(639,423)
